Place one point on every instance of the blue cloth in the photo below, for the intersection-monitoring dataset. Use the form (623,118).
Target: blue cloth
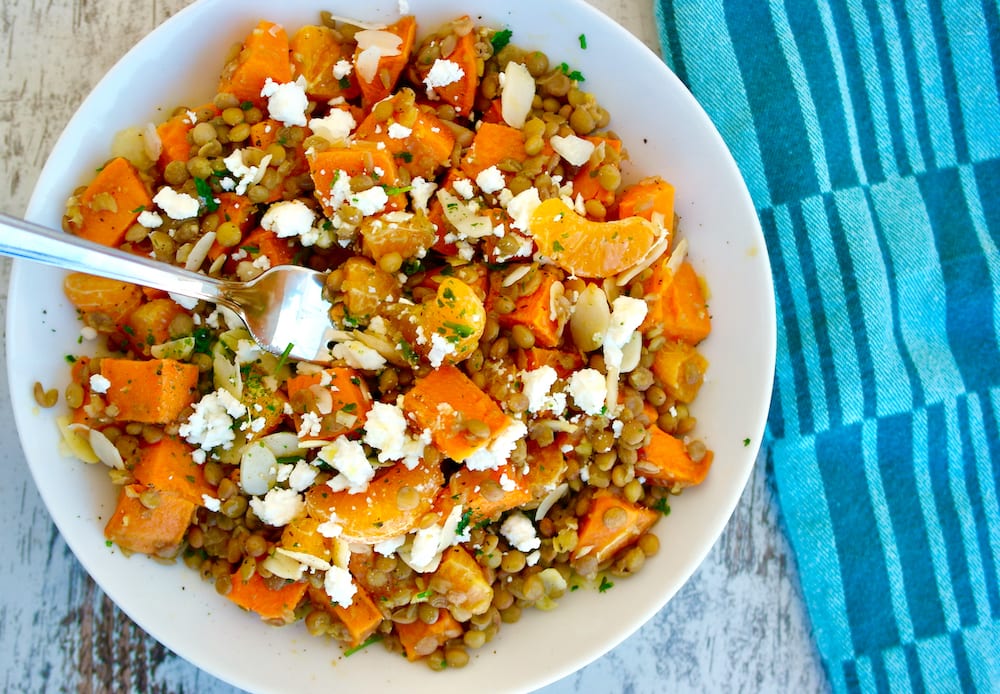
(868,132)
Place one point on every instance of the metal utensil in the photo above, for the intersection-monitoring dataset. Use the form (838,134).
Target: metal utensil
(283,308)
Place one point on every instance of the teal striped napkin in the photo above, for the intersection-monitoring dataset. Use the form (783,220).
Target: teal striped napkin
(869,135)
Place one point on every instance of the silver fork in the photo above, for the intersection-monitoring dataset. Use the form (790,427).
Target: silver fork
(283,308)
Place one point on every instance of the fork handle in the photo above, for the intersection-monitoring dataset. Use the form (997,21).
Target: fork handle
(20,238)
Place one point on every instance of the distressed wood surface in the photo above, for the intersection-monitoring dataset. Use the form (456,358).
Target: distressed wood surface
(738,624)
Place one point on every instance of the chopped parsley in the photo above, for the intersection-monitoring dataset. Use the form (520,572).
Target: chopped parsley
(574,75)
(405,156)
(424,594)
(557,247)
(746,442)
(460,329)
(284,356)
(606,585)
(662,506)
(205,193)
(202,341)
(70,359)
(396,190)
(374,638)
(344,83)
(246,105)
(139,209)
(583,41)
(407,351)
(350,407)
(500,39)
(463,523)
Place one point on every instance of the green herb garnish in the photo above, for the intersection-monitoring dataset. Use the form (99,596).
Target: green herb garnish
(500,39)
(463,522)
(662,506)
(284,357)
(583,41)
(606,585)
(374,638)
(205,193)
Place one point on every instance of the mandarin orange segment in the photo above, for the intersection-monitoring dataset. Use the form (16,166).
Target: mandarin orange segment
(587,248)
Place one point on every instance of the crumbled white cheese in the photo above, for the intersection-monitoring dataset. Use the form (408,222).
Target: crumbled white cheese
(589,389)
(342,69)
(497,453)
(385,431)
(150,219)
(286,102)
(337,126)
(421,191)
(339,585)
(211,423)
(398,131)
(176,205)
(210,502)
(371,201)
(424,555)
(440,348)
(521,207)
(279,506)
(520,532)
(573,148)
(491,180)
(288,218)
(247,175)
(349,459)
(463,187)
(442,73)
(331,527)
(99,384)
(358,355)
(88,333)
(302,476)
(536,385)
(185,302)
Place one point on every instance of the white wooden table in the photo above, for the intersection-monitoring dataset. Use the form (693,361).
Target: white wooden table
(738,625)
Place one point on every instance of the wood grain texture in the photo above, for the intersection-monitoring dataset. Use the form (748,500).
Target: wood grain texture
(737,625)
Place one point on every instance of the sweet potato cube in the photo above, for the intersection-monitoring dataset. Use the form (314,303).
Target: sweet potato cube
(154,391)
(442,401)
(149,324)
(264,55)
(155,531)
(681,370)
(302,535)
(426,146)
(330,166)
(534,311)
(361,618)
(167,465)
(110,204)
(420,639)
(274,605)
(609,525)
(492,144)
(388,69)
(484,494)
(666,460)
(329,403)
(678,303)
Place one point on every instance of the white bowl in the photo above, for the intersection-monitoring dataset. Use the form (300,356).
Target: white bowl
(665,132)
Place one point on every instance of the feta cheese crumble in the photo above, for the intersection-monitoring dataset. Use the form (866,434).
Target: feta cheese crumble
(176,205)
(349,459)
(279,506)
(491,180)
(288,218)
(520,532)
(386,432)
(338,125)
(286,102)
(211,423)
(589,389)
(442,73)
(150,219)
(358,355)
(339,585)
(99,384)
(497,453)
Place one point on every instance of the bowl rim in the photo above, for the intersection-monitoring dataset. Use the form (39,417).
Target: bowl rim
(22,270)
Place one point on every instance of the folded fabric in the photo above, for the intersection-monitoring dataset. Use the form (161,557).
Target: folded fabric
(868,132)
